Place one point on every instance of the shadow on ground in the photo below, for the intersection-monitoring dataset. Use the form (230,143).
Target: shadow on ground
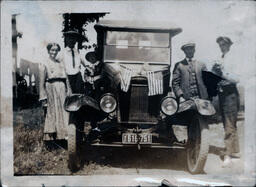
(133,158)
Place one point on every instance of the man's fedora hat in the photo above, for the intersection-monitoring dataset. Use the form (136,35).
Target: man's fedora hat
(187,45)
(225,39)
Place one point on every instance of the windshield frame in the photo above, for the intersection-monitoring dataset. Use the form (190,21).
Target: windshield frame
(168,47)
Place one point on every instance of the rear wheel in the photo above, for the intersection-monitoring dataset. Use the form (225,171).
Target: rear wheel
(198,145)
(73,157)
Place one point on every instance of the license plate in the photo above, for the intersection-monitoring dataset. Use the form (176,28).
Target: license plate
(132,138)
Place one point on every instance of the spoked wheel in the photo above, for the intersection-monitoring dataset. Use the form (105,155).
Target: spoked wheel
(198,145)
(74,161)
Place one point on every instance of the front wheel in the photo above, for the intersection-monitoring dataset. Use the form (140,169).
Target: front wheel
(198,145)
(73,157)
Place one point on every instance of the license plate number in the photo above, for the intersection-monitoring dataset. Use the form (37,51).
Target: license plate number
(132,138)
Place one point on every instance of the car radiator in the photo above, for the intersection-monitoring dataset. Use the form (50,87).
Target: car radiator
(136,106)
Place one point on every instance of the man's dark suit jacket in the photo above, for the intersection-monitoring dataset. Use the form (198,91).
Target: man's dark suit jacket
(180,81)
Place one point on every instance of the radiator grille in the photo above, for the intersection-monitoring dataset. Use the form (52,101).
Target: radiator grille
(137,106)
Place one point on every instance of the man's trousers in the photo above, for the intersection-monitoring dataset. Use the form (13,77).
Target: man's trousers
(229,101)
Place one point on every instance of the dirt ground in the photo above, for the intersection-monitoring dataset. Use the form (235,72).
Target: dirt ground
(32,157)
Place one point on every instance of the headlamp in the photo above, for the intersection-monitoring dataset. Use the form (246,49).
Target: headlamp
(169,105)
(108,103)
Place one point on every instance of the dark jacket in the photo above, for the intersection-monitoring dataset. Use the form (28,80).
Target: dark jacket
(180,81)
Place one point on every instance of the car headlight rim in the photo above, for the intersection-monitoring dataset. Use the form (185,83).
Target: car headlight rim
(108,103)
(169,105)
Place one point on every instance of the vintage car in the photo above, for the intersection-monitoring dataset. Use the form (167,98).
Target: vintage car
(134,104)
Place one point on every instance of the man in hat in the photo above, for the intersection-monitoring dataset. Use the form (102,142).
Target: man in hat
(187,79)
(228,99)
(73,61)
(187,82)
(92,73)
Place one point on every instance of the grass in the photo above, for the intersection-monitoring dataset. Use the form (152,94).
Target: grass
(31,155)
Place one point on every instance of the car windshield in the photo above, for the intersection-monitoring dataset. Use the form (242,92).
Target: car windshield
(137,47)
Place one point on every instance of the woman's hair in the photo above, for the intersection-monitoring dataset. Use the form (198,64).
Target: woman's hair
(50,45)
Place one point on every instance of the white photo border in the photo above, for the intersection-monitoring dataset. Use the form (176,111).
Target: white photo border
(7,173)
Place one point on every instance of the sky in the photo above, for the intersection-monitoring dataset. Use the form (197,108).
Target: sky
(202,22)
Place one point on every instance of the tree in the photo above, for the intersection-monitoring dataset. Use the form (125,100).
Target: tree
(79,21)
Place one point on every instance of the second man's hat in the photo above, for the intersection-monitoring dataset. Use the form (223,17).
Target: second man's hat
(225,39)
(190,44)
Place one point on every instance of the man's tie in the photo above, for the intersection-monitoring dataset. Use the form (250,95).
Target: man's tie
(73,57)
(190,64)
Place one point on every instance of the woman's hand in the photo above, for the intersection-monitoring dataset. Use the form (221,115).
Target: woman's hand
(69,91)
(44,103)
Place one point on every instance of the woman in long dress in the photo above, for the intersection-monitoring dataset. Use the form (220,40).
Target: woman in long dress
(53,91)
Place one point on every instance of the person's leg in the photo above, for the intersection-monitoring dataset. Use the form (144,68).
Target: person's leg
(72,82)
(88,89)
(230,133)
(223,107)
(79,83)
(229,120)
(228,104)
(231,138)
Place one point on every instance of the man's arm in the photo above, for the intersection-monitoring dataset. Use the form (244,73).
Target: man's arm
(176,81)
(230,77)
(204,68)
(227,74)
(42,77)
(83,62)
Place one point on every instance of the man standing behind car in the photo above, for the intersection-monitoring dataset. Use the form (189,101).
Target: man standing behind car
(228,99)
(73,61)
(187,79)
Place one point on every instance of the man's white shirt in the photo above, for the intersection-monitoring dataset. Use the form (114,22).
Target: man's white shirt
(191,59)
(68,61)
(229,67)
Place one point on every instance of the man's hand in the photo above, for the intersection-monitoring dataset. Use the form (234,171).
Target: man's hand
(182,99)
(217,68)
(170,94)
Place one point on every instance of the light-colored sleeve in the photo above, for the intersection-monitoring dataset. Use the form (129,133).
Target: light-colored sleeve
(230,76)
(225,71)
(82,60)
(230,69)
(42,78)
(61,58)
(204,67)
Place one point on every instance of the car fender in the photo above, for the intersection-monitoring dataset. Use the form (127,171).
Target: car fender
(75,101)
(204,107)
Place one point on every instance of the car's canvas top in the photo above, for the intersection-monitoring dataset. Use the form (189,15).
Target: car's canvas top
(138,26)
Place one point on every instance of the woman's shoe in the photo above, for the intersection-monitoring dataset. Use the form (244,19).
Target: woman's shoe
(235,155)
(227,161)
